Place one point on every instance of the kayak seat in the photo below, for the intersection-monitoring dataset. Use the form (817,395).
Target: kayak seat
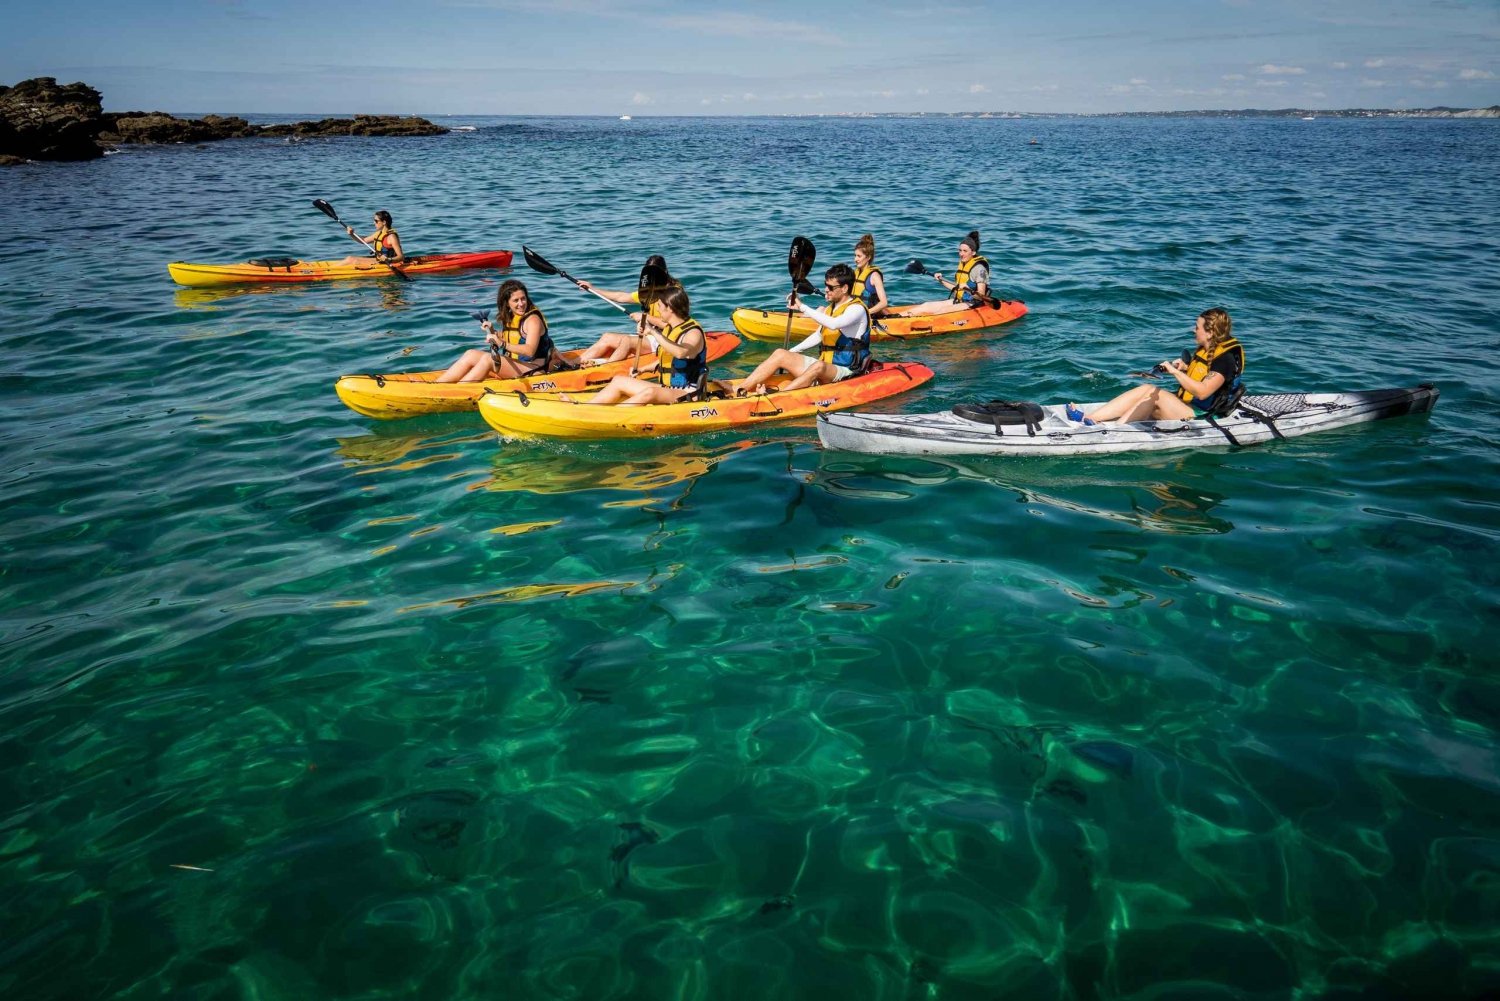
(272,263)
(1003,413)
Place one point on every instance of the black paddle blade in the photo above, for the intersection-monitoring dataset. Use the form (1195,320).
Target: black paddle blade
(537,262)
(800,260)
(325,208)
(805,287)
(653,282)
(481,315)
(916,267)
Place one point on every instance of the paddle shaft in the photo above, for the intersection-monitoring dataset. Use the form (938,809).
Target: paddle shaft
(988,300)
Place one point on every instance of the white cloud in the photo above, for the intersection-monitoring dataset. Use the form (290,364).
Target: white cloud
(640,98)
(1340,65)
(1374,64)
(922,91)
(747,96)
(1232,76)
(1270,83)
(1429,84)
(977,88)
(1367,82)
(1271,69)
(1476,75)
(1136,81)
(751,26)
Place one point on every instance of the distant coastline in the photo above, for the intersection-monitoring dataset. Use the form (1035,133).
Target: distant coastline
(1490,112)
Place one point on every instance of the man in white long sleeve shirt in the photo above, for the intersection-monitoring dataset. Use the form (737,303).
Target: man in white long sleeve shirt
(843,338)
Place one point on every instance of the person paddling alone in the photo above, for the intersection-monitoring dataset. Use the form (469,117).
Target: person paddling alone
(970,284)
(521,346)
(1205,382)
(843,336)
(682,357)
(619,346)
(384,242)
(869,280)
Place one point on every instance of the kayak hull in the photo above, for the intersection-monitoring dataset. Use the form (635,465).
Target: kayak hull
(770,325)
(413,394)
(525,416)
(945,433)
(209,275)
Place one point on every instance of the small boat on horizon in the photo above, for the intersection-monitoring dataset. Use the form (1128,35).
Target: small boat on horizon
(1309,118)
(624,118)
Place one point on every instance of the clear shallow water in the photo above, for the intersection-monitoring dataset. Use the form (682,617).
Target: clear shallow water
(733,717)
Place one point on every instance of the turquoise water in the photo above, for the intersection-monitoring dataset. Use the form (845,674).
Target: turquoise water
(432,715)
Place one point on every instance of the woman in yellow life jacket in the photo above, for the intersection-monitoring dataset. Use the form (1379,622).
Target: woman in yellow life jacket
(384,241)
(1204,382)
(970,285)
(519,345)
(682,355)
(618,346)
(869,280)
(842,339)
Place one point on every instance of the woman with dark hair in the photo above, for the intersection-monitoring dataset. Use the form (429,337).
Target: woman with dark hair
(1204,382)
(970,284)
(842,338)
(384,242)
(869,280)
(519,346)
(617,346)
(682,355)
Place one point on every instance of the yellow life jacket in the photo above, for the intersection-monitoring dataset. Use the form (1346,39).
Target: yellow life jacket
(838,347)
(515,340)
(382,248)
(1198,368)
(962,292)
(681,373)
(862,287)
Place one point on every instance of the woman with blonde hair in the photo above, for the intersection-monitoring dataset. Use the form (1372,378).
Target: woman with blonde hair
(1206,380)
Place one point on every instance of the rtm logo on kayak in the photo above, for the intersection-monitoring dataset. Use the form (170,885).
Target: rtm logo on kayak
(825,403)
(543,387)
(702,412)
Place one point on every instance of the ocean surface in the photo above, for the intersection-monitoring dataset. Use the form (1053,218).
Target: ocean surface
(297,704)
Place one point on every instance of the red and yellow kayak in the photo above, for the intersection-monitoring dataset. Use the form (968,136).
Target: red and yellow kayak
(525,415)
(770,325)
(283,270)
(412,394)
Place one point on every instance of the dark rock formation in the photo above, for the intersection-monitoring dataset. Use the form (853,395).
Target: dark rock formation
(160,127)
(359,125)
(40,120)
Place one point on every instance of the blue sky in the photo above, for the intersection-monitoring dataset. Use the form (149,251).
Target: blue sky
(669,57)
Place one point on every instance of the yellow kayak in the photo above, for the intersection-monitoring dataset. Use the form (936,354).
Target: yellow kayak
(525,415)
(282,271)
(412,394)
(770,325)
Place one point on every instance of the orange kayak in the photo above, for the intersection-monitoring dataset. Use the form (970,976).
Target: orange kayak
(524,415)
(412,394)
(770,325)
(280,270)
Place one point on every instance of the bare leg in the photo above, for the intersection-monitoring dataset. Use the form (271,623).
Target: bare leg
(935,308)
(611,346)
(621,387)
(817,371)
(472,366)
(1126,402)
(781,360)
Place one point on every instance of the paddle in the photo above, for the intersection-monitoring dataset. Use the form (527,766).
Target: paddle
(483,316)
(652,282)
(537,262)
(328,210)
(916,267)
(1157,371)
(799,261)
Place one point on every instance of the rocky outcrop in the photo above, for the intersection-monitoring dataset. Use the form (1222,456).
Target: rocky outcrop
(42,120)
(160,127)
(359,125)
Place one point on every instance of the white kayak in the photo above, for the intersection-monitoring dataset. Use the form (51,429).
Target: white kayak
(1254,419)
